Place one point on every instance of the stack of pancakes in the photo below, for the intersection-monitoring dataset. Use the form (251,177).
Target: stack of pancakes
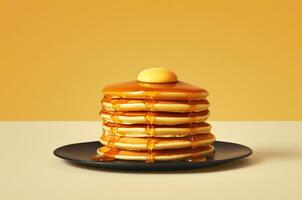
(155,122)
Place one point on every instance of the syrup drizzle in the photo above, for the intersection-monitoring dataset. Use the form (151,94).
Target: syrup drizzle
(110,154)
(150,104)
(150,117)
(150,146)
(115,117)
(153,87)
(112,151)
(116,103)
(193,139)
(107,155)
(113,130)
(106,98)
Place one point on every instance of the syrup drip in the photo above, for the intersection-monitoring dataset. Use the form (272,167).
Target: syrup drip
(107,156)
(150,117)
(113,131)
(194,153)
(116,104)
(191,113)
(150,130)
(150,104)
(192,129)
(107,98)
(193,139)
(193,107)
(114,117)
(194,145)
(150,145)
(151,94)
(152,87)
(112,139)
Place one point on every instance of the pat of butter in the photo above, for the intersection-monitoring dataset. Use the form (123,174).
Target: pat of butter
(157,75)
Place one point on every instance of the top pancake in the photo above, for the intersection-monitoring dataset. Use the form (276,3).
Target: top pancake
(158,91)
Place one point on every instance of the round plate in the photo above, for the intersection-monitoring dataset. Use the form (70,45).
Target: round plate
(81,153)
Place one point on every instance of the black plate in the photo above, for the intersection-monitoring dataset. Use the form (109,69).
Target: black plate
(81,153)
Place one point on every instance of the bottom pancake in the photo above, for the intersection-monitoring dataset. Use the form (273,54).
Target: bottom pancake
(129,143)
(156,155)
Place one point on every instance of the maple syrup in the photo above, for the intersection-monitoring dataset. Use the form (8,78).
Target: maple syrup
(113,131)
(152,87)
(106,98)
(150,104)
(150,146)
(108,155)
(116,103)
(193,107)
(194,151)
(149,92)
(193,138)
(115,117)
(149,130)
(149,117)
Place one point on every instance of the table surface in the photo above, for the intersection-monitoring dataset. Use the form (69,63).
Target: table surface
(29,170)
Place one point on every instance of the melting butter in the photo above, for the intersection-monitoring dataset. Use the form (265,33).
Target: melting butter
(157,75)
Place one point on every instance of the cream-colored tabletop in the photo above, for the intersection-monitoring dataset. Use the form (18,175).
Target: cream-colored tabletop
(29,170)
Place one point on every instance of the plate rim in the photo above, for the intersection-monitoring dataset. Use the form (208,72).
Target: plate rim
(156,166)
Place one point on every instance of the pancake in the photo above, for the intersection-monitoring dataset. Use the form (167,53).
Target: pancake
(155,118)
(160,118)
(159,91)
(142,130)
(158,155)
(154,105)
(132,143)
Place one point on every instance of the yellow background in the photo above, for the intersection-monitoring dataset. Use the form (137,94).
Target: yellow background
(55,56)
